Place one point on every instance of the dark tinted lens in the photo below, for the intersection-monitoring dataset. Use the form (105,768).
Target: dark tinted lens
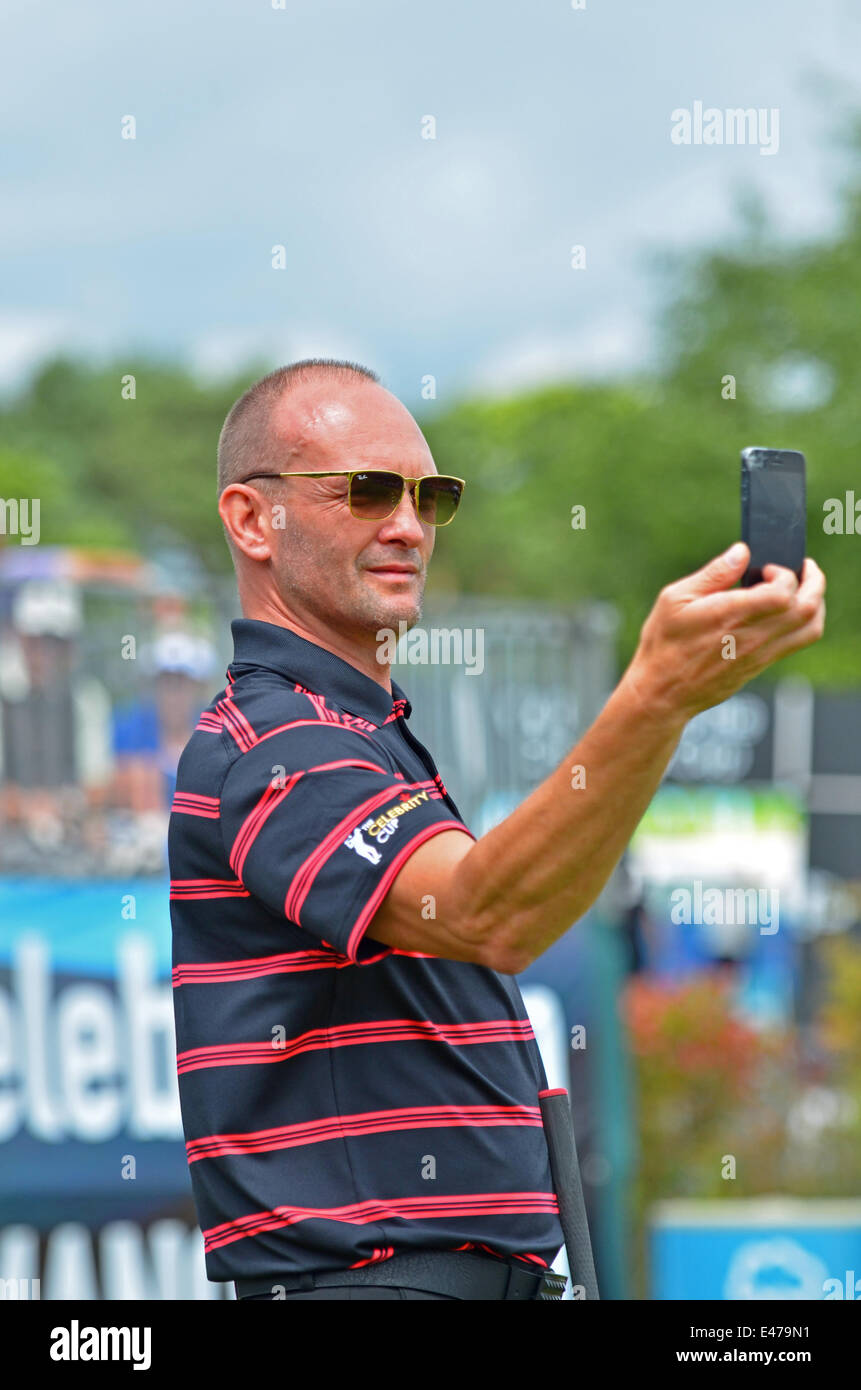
(438,499)
(375,495)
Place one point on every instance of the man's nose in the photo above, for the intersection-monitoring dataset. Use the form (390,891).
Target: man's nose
(404,520)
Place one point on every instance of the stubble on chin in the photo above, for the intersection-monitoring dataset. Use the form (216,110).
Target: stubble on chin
(352,603)
(374,612)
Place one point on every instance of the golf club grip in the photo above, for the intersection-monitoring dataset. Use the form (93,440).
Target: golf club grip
(565,1170)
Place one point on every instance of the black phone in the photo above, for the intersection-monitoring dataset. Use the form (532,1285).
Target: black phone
(773,510)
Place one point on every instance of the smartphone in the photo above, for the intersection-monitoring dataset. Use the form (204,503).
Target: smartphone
(773,510)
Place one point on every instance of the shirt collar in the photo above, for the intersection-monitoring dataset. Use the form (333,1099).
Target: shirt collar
(256,643)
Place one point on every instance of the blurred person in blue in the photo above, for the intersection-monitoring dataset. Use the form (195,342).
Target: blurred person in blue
(150,734)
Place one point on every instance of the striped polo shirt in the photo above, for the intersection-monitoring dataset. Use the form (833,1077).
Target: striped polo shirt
(342,1101)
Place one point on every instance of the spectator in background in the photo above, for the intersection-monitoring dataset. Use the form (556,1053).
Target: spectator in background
(55,757)
(149,735)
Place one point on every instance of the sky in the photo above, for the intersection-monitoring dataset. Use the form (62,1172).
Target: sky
(300,123)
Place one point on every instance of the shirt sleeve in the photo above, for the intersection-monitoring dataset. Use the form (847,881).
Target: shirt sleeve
(317,826)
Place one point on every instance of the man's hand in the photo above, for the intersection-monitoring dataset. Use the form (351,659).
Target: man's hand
(684,662)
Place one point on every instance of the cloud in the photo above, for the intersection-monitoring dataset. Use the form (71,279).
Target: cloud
(26,339)
(609,347)
(222,353)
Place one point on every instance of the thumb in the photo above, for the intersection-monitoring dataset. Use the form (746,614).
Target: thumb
(720,573)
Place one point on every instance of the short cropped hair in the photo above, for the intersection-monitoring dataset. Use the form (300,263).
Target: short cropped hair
(246,441)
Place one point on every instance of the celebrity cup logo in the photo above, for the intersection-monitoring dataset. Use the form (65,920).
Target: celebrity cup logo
(355,840)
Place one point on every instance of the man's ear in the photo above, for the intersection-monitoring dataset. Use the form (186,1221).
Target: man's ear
(245,516)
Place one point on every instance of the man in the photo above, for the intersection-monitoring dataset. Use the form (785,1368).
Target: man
(359,1081)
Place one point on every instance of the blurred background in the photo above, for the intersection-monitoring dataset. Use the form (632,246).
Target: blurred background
(532,222)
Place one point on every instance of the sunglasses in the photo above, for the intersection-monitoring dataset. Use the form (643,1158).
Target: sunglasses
(373,493)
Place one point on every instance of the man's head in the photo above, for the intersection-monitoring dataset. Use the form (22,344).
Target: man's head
(299,552)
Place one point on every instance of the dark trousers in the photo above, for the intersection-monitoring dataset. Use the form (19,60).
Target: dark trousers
(352,1291)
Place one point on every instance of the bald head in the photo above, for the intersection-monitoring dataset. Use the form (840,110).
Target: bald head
(264,428)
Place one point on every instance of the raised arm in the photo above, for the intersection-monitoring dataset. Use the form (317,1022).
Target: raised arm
(503,899)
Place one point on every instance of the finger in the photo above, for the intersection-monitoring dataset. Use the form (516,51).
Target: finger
(788,642)
(719,574)
(806,598)
(772,597)
(813,581)
(771,573)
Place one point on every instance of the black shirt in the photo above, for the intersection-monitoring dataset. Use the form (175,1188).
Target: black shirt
(342,1100)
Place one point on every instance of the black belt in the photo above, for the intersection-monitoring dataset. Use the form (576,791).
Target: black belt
(458,1274)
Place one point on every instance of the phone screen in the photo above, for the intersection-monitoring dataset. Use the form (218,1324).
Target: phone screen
(774,511)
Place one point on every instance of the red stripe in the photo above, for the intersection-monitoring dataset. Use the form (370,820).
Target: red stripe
(350,762)
(300,885)
(237,724)
(352,1034)
(208,888)
(307,724)
(273,797)
(236,713)
(392,869)
(234,730)
(404,1208)
(256,819)
(190,804)
(499,1254)
(398,708)
(314,701)
(328,715)
(220,972)
(288,963)
(370,1122)
(378,1255)
(307,872)
(559,1091)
